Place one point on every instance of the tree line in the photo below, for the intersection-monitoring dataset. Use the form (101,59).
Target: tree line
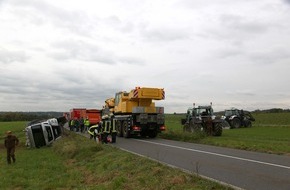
(28,116)
(273,110)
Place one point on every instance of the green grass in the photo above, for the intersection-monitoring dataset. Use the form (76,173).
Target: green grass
(263,139)
(272,119)
(75,162)
(270,133)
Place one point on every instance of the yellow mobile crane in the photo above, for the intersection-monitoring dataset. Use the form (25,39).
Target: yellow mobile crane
(135,112)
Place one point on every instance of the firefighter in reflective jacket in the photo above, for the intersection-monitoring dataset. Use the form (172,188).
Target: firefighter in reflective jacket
(106,128)
(113,130)
(94,131)
(87,123)
(71,124)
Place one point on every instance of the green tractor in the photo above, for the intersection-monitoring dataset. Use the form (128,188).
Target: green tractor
(236,118)
(202,119)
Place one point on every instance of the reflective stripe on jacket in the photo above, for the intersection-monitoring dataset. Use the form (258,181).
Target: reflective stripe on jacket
(92,129)
(107,126)
(113,129)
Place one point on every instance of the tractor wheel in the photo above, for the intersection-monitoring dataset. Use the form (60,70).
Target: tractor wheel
(126,132)
(196,127)
(119,129)
(248,123)
(236,123)
(226,124)
(187,128)
(218,129)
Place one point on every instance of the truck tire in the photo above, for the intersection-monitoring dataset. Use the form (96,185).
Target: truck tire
(152,134)
(119,129)
(126,132)
(143,134)
(236,123)
(218,129)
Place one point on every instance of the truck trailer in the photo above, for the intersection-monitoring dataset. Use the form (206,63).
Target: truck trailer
(94,115)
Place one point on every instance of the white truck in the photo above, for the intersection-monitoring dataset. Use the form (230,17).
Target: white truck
(42,133)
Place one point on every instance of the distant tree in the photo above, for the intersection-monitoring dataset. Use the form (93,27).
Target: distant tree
(28,116)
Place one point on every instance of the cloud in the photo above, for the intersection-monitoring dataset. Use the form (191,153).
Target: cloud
(10,56)
(165,34)
(243,92)
(59,89)
(235,23)
(84,51)
(274,56)
(287,1)
(131,60)
(64,54)
(79,50)
(43,13)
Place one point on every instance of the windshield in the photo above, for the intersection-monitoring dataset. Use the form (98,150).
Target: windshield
(228,113)
(231,112)
(203,111)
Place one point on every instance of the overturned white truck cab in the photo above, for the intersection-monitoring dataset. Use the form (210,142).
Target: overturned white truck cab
(42,133)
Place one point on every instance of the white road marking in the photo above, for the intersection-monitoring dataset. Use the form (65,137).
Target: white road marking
(217,154)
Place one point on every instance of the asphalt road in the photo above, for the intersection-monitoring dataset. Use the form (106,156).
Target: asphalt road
(241,169)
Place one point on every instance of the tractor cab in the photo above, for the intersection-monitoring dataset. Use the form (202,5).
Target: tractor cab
(203,111)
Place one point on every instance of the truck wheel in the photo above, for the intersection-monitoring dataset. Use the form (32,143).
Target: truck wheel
(236,123)
(152,134)
(218,129)
(143,134)
(126,132)
(119,129)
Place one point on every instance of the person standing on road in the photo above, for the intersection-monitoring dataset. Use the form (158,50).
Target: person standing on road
(106,128)
(87,124)
(77,125)
(82,124)
(113,130)
(71,124)
(11,141)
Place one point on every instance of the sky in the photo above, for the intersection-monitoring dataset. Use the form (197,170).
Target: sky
(56,55)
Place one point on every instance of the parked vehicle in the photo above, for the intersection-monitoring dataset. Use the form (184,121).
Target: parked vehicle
(94,115)
(202,119)
(238,118)
(135,112)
